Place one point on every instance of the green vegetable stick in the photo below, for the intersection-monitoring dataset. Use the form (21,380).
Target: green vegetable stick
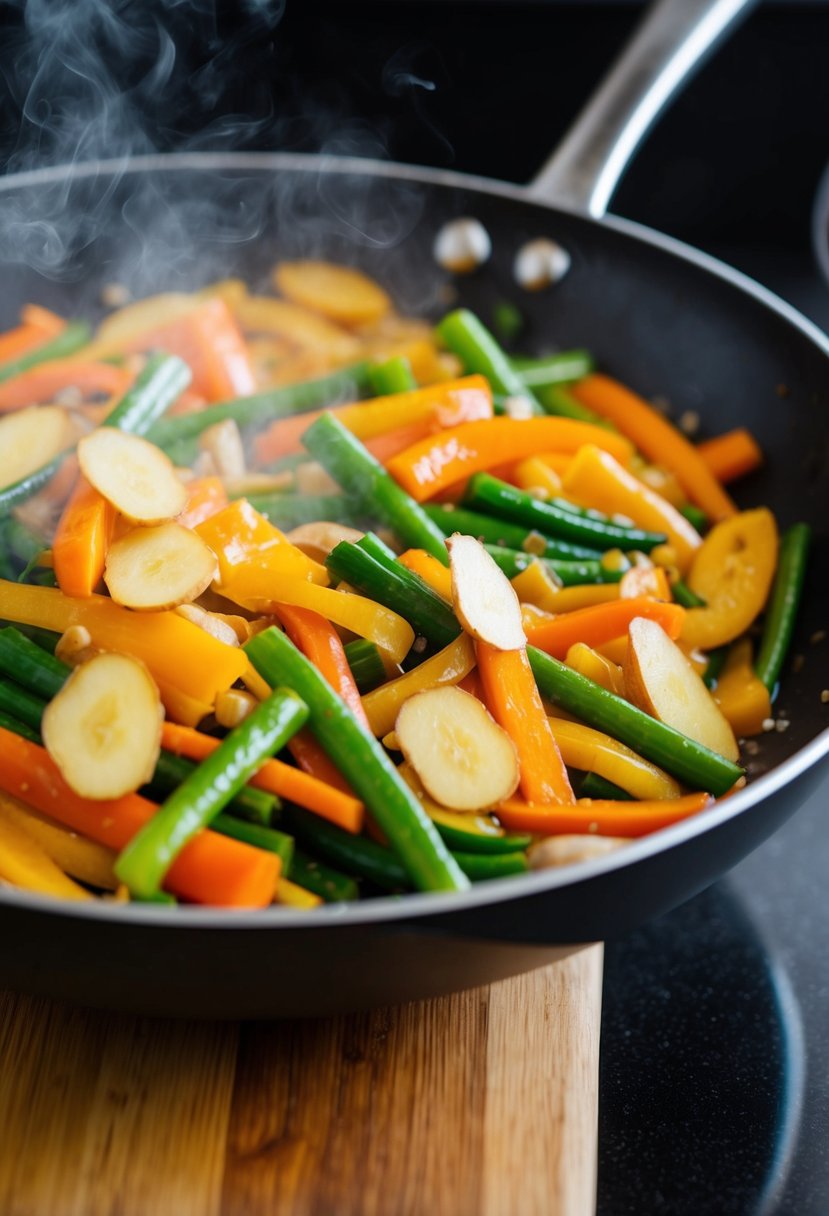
(76,335)
(363,763)
(783,604)
(148,856)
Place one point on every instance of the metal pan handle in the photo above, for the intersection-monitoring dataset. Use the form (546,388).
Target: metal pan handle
(672,40)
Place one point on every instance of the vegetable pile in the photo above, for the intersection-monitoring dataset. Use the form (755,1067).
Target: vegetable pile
(302,601)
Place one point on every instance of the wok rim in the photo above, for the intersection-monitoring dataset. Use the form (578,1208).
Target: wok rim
(420,905)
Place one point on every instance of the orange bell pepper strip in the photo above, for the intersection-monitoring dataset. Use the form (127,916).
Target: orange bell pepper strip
(441,405)
(206,496)
(436,463)
(731,455)
(595,479)
(383,447)
(430,570)
(251,551)
(512,697)
(81,541)
(211,869)
(598,817)
(656,438)
(173,649)
(40,384)
(275,777)
(600,624)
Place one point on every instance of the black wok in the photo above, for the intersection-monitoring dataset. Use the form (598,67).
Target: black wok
(658,315)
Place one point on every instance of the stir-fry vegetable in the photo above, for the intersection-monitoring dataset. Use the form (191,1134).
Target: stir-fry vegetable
(219,685)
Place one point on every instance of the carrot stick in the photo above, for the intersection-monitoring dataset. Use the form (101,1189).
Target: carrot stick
(731,455)
(276,778)
(37,325)
(602,623)
(40,384)
(440,461)
(512,697)
(657,438)
(319,641)
(441,405)
(383,447)
(48,322)
(595,816)
(82,538)
(212,869)
(205,497)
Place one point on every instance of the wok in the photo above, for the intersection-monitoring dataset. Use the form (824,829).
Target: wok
(660,316)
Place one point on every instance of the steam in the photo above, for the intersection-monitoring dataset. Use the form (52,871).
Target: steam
(112,80)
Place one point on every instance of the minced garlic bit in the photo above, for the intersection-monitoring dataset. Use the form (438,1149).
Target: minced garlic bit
(752,747)
(115,295)
(614,559)
(824,696)
(781,725)
(689,422)
(419,645)
(535,544)
(540,263)
(768,724)
(818,636)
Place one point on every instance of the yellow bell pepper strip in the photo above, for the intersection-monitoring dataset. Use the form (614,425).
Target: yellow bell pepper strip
(595,479)
(535,586)
(187,711)
(300,326)
(600,818)
(83,859)
(591,750)
(176,653)
(646,580)
(443,405)
(449,666)
(596,667)
(250,550)
(615,650)
(656,438)
(355,612)
(290,895)
(26,864)
(435,464)
(430,570)
(740,693)
(732,572)
(536,474)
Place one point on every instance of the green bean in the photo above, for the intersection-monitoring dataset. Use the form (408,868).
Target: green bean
(683,595)
(161,381)
(25,662)
(399,589)
(683,758)
(196,802)
(363,763)
(594,786)
(478,351)
(716,662)
(18,492)
(288,511)
(558,401)
(488,494)
(21,541)
(364,479)
(267,405)
(76,335)
(254,806)
(495,840)
(9,722)
(493,531)
(393,376)
(366,664)
(267,838)
(355,854)
(567,365)
(695,515)
(781,612)
(481,866)
(19,703)
(331,885)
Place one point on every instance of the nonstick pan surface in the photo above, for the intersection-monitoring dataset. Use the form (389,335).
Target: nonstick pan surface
(669,321)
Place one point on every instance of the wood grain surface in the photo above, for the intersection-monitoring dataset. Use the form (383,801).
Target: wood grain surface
(479,1104)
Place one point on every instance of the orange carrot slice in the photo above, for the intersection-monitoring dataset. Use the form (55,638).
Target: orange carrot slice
(656,438)
(513,699)
(731,455)
(595,816)
(40,384)
(603,622)
(276,777)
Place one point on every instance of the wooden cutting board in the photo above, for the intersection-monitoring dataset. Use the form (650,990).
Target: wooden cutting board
(479,1104)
